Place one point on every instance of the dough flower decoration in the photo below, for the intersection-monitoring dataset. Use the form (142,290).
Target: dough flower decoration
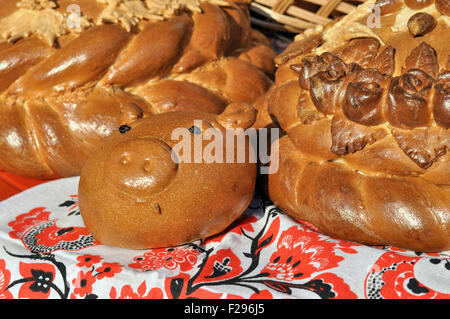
(48,21)
(39,17)
(130,12)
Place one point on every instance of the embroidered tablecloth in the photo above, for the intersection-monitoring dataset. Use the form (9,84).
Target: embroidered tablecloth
(46,252)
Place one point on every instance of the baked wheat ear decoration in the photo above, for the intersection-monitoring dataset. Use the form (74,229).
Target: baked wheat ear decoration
(40,17)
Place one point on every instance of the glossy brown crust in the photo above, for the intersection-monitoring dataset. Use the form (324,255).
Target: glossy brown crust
(389,6)
(421,23)
(375,210)
(418,4)
(172,95)
(443,6)
(83,60)
(133,195)
(366,156)
(19,58)
(442,100)
(90,83)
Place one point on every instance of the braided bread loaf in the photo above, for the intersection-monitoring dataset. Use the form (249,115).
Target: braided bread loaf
(65,86)
(365,104)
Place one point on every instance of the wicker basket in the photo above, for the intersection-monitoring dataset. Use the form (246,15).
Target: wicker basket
(294,16)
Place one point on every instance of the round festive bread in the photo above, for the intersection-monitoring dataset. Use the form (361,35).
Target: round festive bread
(138,189)
(365,104)
(73,71)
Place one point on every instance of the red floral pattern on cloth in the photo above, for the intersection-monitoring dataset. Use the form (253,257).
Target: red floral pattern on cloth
(88,260)
(46,252)
(24,221)
(83,283)
(37,280)
(184,258)
(393,277)
(5,277)
(223,264)
(127,292)
(39,233)
(294,244)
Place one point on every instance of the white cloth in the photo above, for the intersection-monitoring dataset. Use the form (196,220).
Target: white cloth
(46,252)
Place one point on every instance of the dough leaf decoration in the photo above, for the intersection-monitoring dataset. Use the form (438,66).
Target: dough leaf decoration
(38,17)
(424,58)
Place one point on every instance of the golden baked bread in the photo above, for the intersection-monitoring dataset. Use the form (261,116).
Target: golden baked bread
(138,191)
(73,71)
(365,104)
